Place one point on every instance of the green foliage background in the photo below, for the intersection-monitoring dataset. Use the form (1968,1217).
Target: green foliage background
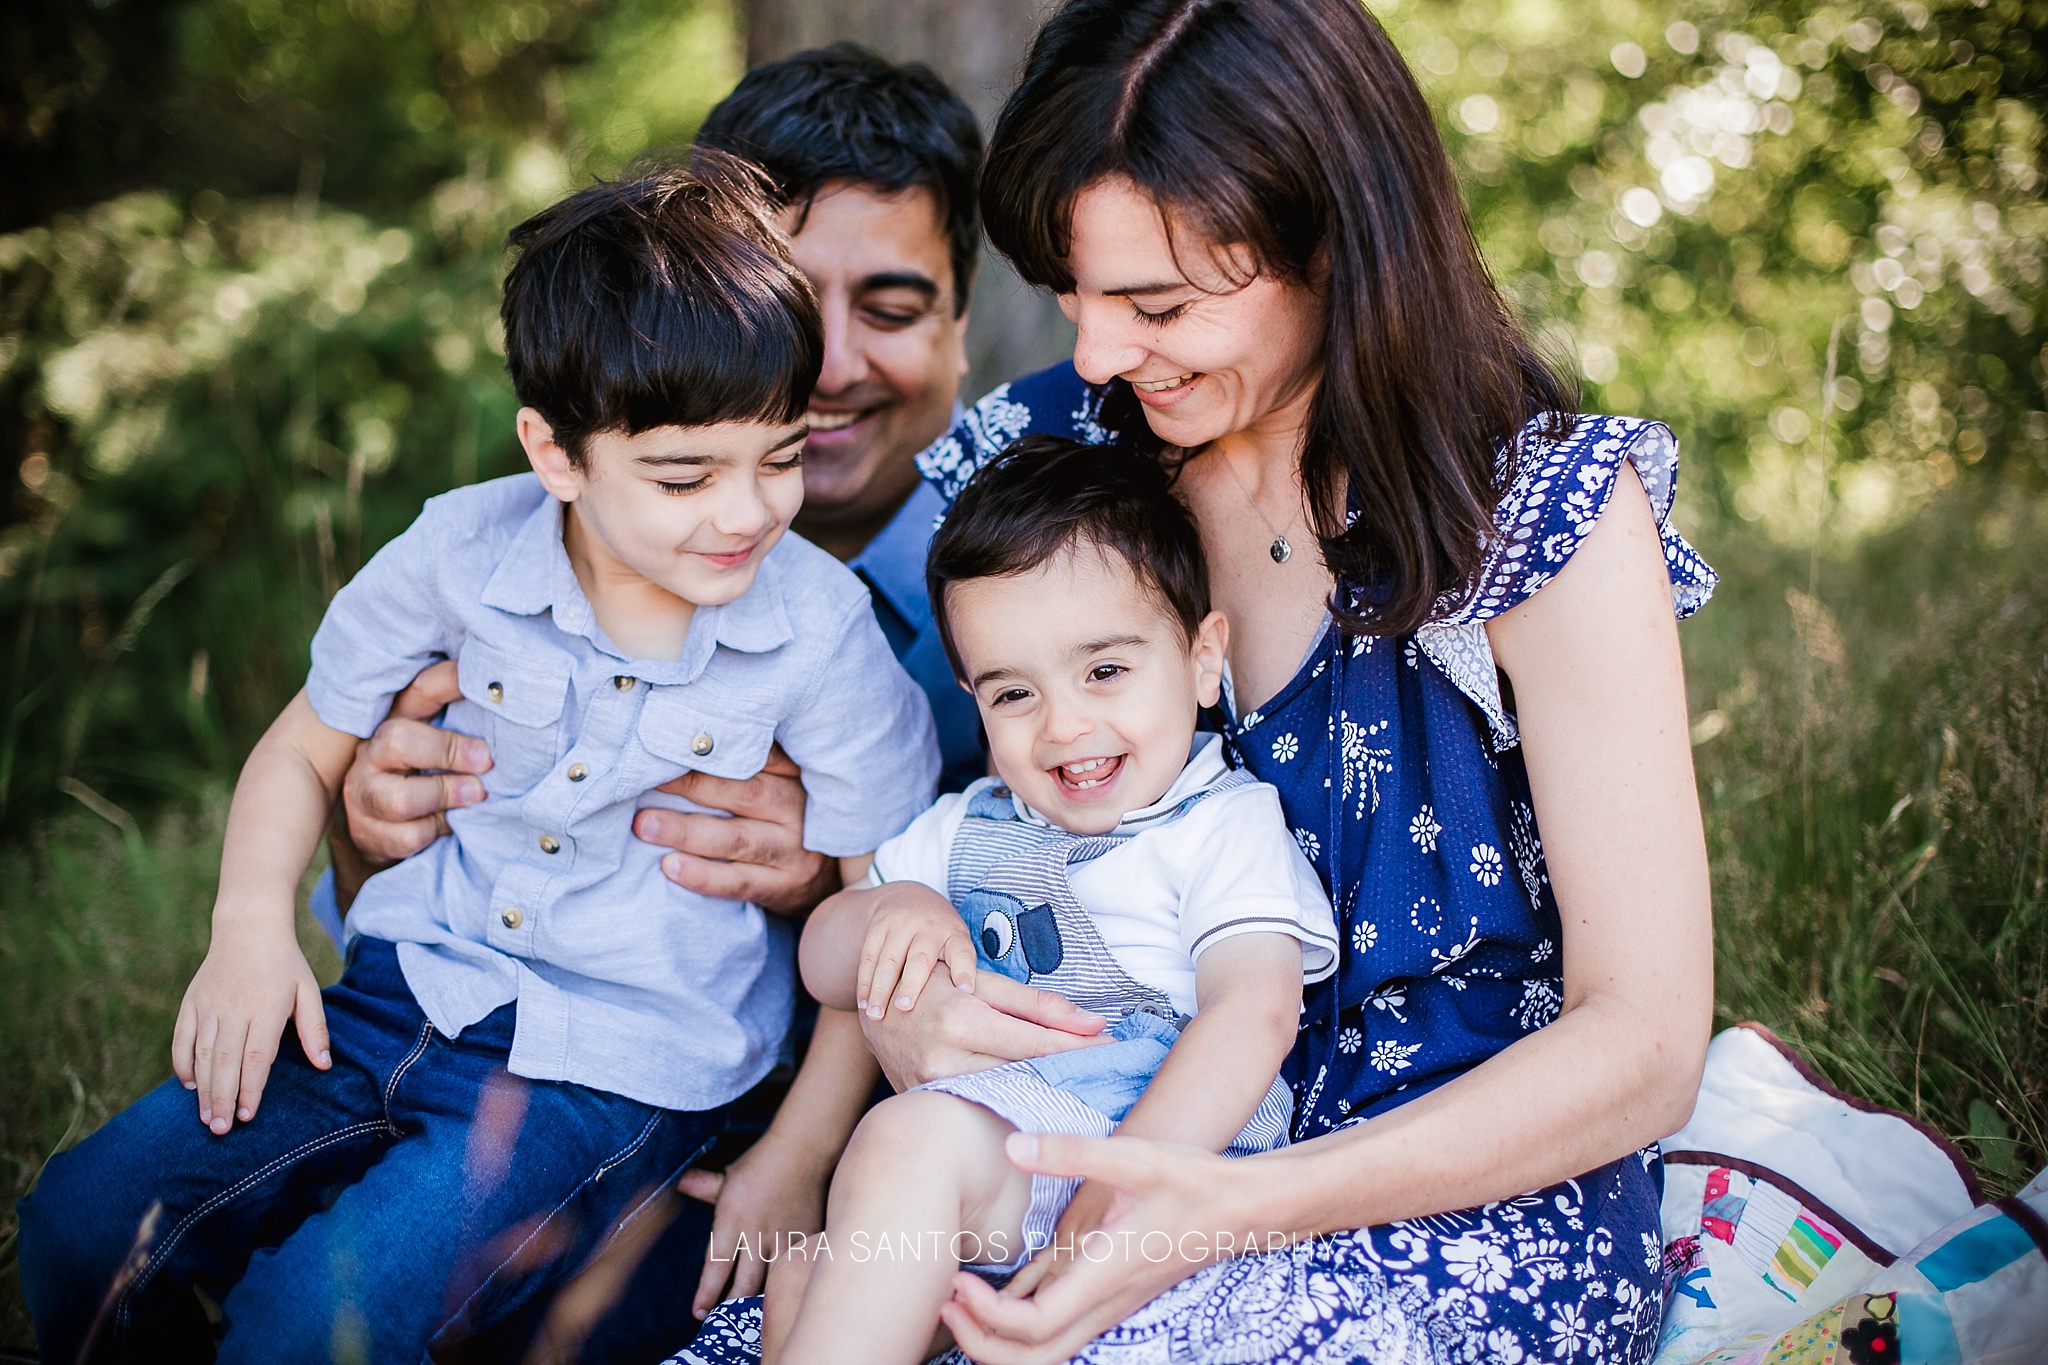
(247,322)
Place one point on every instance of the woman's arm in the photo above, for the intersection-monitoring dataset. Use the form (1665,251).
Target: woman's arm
(1600,695)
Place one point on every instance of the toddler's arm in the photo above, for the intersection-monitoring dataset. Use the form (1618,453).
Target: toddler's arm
(870,945)
(1248,990)
(255,978)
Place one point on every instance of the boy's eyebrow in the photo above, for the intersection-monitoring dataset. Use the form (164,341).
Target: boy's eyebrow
(902,279)
(990,675)
(1109,642)
(688,460)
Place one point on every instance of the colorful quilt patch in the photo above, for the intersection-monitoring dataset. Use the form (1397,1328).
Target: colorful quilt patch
(1786,1244)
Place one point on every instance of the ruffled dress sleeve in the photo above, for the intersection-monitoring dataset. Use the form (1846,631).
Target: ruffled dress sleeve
(1052,402)
(1560,487)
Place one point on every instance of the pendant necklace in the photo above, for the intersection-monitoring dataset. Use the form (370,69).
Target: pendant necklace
(1279,549)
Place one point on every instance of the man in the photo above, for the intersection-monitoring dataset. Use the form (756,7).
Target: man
(876,164)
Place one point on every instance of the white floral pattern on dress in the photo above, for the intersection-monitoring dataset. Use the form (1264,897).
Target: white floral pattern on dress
(1423,829)
(1285,747)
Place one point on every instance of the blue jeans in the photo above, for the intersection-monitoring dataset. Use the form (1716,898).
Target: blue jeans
(409,1198)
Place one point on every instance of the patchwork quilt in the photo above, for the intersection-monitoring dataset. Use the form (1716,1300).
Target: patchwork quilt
(1803,1227)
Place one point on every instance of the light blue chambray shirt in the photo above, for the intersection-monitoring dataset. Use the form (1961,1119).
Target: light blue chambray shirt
(624,981)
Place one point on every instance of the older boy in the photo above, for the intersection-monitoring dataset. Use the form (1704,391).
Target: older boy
(536,1030)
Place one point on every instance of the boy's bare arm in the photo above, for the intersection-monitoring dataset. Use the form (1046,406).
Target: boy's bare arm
(1249,989)
(255,978)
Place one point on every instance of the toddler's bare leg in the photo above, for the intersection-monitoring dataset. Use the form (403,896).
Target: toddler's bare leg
(784,1291)
(923,1185)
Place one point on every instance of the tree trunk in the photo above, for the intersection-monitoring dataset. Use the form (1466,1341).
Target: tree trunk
(977,46)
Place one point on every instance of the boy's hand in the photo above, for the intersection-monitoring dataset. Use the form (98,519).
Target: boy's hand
(906,941)
(760,1200)
(233,1016)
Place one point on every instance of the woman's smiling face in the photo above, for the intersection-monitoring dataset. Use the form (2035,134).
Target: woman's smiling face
(1209,353)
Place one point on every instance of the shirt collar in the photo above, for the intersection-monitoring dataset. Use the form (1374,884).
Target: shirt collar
(1205,766)
(893,562)
(535,576)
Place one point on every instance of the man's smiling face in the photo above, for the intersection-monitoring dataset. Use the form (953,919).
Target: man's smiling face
(894,353)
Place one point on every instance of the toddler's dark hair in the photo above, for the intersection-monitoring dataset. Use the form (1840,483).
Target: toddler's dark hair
(1045,493)
(664,299)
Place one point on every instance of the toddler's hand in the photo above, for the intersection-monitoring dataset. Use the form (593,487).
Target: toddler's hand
(907,939)
(233,1016)
(761,1203)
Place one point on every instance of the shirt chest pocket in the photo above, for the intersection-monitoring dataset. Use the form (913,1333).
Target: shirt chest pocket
(684,733)
(513,701)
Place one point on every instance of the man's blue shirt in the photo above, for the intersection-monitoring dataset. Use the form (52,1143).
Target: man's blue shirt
(892,566)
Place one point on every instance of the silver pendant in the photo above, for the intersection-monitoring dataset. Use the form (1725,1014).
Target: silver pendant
(1281,550)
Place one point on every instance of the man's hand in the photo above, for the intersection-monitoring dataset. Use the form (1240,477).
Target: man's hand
(951,1032)
(233,1016)
(757,854)
(393,802)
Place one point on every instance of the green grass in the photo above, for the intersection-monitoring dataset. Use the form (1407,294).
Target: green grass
(99,932)
(1873,755)
(1877,814)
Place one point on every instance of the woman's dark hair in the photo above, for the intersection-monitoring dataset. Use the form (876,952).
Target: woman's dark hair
(845,113)
(1046,493)
(665,299)
(1294,128)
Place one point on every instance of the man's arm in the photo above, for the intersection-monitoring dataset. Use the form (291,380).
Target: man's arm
(394,805)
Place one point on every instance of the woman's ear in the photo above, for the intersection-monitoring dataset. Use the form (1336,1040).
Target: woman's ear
(1210,647)
(546,455)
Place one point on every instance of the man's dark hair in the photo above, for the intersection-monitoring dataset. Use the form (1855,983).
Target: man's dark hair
(1046,493)
(668,299)
(845,113)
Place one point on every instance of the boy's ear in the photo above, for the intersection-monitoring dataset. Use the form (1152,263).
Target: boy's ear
(1210,647)
(546,455)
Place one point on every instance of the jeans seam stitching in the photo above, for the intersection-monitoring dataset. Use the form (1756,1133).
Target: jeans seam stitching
(223,1197)
(610,1163)
(419,1049)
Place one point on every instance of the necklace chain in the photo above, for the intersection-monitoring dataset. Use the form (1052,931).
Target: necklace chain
(1280,550)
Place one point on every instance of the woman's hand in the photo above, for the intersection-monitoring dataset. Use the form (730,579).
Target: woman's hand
(770,1194)
(950,1032)
(1161,1224)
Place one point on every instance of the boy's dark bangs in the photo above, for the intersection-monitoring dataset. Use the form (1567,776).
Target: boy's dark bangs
(686,360)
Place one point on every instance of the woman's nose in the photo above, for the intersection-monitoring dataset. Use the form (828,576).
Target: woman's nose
(1105,345)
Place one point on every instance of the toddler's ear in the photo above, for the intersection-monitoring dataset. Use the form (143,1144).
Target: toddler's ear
(546,455)
(1206,654)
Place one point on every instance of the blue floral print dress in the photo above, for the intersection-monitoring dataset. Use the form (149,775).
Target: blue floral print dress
(1400,769)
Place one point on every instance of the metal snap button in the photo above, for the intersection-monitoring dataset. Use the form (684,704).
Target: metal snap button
(496,691)
(624,683)
(701,745)
(577,772)
(511,918)
(550,844)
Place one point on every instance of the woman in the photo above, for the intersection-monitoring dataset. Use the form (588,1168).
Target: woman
(1248,213)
